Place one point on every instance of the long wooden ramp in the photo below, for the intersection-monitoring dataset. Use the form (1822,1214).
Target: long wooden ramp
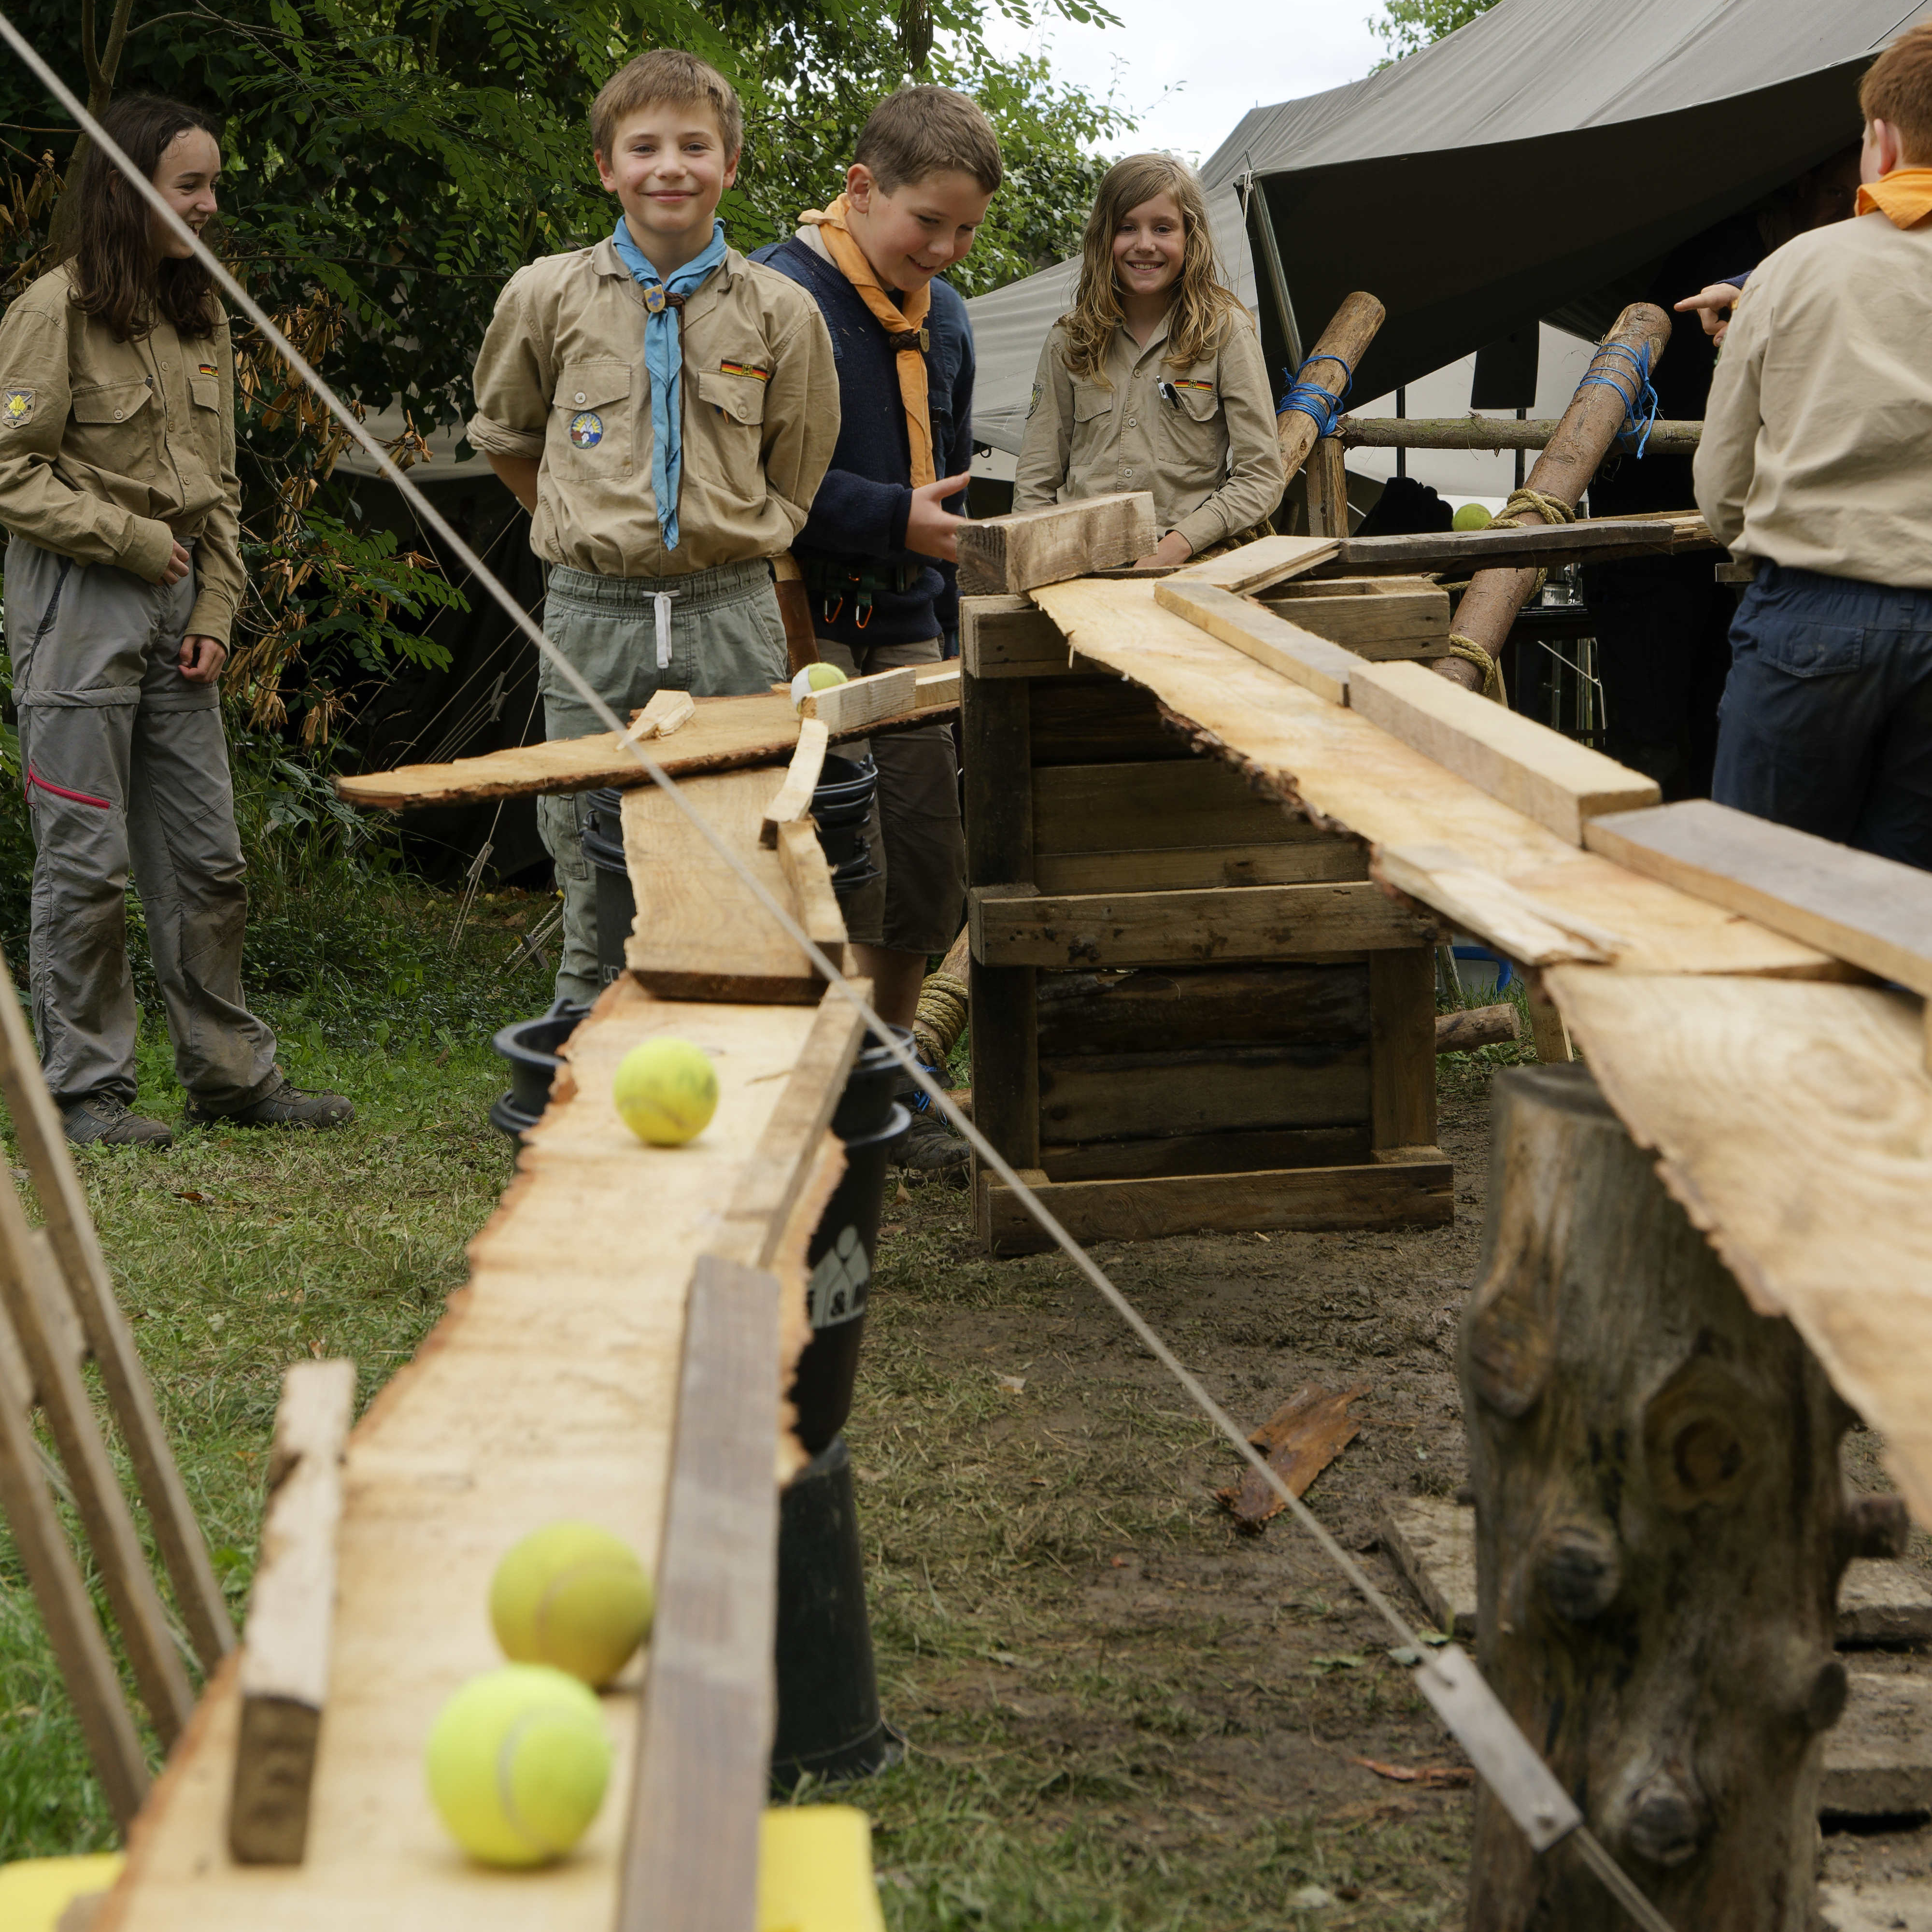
(551,1388)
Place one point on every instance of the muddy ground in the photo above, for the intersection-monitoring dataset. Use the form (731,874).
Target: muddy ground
(1120,1711)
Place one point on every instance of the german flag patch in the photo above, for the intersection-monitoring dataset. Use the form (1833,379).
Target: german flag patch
(1205,388)
(209,369)
(757,375)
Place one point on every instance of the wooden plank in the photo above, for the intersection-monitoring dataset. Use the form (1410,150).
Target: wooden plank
(1006,1064)
(802,859)
(1088,929)
(1055,542)
(1543,774)
(792,801)
(1350,774)
(1007,636)
(284,1669)
(1412,623)
(1878,1757)
(1099,721)
(726,734)
(1137,807)
(1255,566)
(1207,1153)
(1794,1122)
(1402,1045)
(1413,1193)
(1093,1097)
(67,1611)
(1317,589)
(691,1851)
(1198,1007)
(550,1389)
(939,686)
(1191,868)
(664,712)
(1461,552)
(860,702)
(700,934)
(70,1231)
(1873,912)
(1272,642)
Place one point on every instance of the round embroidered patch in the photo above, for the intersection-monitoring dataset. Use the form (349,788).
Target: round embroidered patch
(586,429)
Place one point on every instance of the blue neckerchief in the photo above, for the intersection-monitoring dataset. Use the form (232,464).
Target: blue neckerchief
(664,359)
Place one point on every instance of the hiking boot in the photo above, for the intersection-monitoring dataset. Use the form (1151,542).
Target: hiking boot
(99,1121)
(929,1146)
(285,1106)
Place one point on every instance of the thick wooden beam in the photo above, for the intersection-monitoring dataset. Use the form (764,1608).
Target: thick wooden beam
(860,702)
(1010,637)
(291,1627)
(1547,777)
(1873,912)
(1056,541)
(1254,567)
(1402,1045)
(1411,621)
(1459,552)
(1086,1098)
(1328,490)
(1204,1008)
(1166,802)
(1271,641)
(1097,929)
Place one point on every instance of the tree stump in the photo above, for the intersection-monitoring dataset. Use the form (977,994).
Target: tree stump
(1661,1526)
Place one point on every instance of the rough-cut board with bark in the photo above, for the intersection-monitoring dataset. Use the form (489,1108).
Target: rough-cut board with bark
(1254,567)
(1455,553)
(1794,1122)
(1300,1440)
(1271,641)
(1496,872)
(700,933)
(550,1389)
(1057,541)
(725,734)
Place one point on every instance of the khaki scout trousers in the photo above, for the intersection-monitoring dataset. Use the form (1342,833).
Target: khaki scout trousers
(126,766)
(724,639)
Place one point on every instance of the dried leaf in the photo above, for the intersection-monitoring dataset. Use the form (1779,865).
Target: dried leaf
(1432,1776)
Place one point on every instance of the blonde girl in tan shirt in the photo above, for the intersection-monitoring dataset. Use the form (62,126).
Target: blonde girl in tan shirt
(1154,379)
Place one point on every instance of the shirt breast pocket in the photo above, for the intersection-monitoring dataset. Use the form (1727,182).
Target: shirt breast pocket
(590,416)
(731,406)
(1194,432)
(1092,420)
(114,426)
(204,393)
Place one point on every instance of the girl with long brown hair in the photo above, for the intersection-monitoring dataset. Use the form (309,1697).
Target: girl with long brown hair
(119,495)
(1153,379)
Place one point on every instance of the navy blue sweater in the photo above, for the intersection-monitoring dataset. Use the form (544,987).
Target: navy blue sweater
(859,516)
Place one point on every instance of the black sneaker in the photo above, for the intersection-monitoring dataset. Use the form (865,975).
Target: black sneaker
(101,1121)
(286,1106)
(929,1146)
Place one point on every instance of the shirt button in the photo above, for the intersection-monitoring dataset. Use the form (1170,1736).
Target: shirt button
(1133,422)
(579,395)
(118,414)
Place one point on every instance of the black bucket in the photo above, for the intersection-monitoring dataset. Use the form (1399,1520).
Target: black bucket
(531,1047)
(603,839)
(869,1089)
(829,1722)
(839,1271)
(842,807)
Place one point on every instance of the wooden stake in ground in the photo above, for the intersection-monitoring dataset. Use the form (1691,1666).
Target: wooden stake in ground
(1331,366)
(1591,423)
(1661,1526)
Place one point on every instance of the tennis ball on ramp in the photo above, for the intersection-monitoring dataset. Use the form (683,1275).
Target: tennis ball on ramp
(517,1762)
(813,677)
(573,1596)
(666,1091)
(1472,516)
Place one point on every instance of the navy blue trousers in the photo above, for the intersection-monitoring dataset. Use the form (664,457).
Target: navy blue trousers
(1826,722)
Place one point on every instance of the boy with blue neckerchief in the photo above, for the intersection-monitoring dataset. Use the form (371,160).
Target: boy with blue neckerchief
(665,410)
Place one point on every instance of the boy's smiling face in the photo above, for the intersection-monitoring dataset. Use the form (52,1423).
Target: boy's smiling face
(920,229)
(668,167)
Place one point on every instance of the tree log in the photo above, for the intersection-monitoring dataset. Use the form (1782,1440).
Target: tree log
(1661,1526)
(1583,440)
(1350,330)
(1476,1026)
(1678,438)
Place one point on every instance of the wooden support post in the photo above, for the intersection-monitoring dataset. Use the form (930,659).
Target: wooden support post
(690,1848)
(291,1618)
(1660,1529)
(1583,440)
(1350,330)
(1328,490)
(1402,1046)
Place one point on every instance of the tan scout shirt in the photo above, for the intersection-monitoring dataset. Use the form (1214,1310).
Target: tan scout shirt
(1817,446)
(561,377)
(1206,447)
(109,451)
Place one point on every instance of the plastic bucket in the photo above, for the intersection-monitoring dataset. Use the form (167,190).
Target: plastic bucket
(869,1089)
(531,1047)
(842,807)
(603,839)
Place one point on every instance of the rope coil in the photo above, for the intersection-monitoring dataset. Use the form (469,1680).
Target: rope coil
(1310,400)
(1635,434)
(941,1017)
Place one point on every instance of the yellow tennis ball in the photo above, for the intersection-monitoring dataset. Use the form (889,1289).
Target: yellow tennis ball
(516,1761)
(666,1091)
(813,677)
(574,1596)
(1472,516)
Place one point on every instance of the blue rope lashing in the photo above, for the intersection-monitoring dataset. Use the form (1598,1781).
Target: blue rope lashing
(1640,397)
(1310,400)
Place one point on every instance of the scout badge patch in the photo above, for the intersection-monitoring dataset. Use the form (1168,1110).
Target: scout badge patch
(751,369)
(16,405)
(209,369)
(586,429)
(1035,403)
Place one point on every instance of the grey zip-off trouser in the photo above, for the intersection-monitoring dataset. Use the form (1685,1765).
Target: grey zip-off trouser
(125,762)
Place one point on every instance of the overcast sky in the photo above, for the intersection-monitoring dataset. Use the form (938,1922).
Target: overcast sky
(1190,71)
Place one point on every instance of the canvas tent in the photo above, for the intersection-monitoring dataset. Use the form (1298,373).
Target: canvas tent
(1536,163)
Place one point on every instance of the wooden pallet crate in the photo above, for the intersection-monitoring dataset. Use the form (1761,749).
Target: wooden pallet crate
(1191,1008)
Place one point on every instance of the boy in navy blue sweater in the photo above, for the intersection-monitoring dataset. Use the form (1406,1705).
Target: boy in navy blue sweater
(878,549)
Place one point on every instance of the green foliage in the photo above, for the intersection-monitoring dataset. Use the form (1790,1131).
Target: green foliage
(1408,26)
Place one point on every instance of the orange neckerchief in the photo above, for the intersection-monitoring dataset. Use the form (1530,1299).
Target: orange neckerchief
(903,325)
(1903,197)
